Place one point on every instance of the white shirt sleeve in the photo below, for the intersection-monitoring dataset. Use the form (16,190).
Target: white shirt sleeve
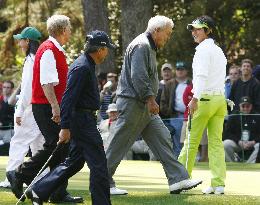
(26,87)
(48,70)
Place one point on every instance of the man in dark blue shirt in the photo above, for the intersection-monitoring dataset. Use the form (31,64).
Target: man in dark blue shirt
(78,125)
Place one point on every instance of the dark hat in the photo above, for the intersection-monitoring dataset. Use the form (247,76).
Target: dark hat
(99,38)
(181,65)
(30,33)
(245,100)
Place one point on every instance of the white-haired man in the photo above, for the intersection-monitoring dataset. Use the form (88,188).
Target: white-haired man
(49,82)
(138,110)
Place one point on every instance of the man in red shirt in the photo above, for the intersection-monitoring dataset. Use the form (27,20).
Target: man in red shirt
(48,86)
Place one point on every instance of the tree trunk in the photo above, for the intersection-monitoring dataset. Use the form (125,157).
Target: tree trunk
(2,4)
(27,13)
(96,18)
(135,16)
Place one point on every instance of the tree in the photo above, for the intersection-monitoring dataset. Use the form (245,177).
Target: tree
(134,18)
(96,18)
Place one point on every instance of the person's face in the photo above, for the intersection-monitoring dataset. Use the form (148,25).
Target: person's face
(233,74)
(102,54)
(66,34)
(181,73)
(246,69)
(23,44)
(112,79)
(7,89)
(113,115)
(198,35)
(245,108)
(162,35)
(166,74)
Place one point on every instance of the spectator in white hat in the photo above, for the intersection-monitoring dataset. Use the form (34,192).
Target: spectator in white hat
(106,127)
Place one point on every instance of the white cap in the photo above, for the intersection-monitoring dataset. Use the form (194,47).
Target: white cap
(166,65)
(111,108)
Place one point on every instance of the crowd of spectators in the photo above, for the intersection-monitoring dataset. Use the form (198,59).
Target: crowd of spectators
(6,117)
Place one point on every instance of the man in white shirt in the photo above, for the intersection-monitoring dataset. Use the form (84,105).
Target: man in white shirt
(208,105)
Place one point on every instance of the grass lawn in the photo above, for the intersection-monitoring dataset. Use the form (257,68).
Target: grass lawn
(147,185)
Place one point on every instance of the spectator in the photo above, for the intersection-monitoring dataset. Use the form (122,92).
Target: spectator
(247,85)
(203,155)
(6,114)
(102,79)
(167,76)
(256,72)
(172,105)
(138,149)
(106,126)
(1,91)
(166,73)
(242,132)
(233,75)
(108,94)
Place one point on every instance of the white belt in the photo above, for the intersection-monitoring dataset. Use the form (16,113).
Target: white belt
(213,92)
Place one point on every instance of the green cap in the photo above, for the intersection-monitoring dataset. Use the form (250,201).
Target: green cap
(30,33)
(198,23)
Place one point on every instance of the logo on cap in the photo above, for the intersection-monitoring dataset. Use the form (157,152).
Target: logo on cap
(99,38)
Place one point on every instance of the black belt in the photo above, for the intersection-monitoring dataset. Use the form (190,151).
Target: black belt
(93,112)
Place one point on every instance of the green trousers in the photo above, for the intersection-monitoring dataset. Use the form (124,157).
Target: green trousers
(210,114)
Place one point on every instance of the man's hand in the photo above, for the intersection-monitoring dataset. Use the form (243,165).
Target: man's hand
(246,145)
(55,113)
(18,121)
(193,105)
(152,105)
(49,92)
(64,136)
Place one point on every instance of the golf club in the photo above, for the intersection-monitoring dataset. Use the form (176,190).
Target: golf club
(42,169)
(188,135)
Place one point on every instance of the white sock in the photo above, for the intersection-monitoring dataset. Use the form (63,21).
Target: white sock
(34,194)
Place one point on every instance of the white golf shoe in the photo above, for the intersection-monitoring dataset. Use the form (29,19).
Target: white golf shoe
(116,191)
(5,184)
(214,190)
(184,185)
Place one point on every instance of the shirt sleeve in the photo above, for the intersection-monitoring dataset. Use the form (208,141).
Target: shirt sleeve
(139,72)
(26,88)
(48,70)
(201,63)
(75,84)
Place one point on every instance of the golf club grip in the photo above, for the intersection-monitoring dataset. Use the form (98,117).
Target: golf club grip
(189,121)
(59,146)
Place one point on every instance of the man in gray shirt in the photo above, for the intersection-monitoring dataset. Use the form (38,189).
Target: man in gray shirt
(138,110)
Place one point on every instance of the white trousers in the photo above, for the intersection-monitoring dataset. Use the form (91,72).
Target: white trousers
(25,136)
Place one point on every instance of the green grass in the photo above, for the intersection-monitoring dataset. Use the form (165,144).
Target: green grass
(147,185)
